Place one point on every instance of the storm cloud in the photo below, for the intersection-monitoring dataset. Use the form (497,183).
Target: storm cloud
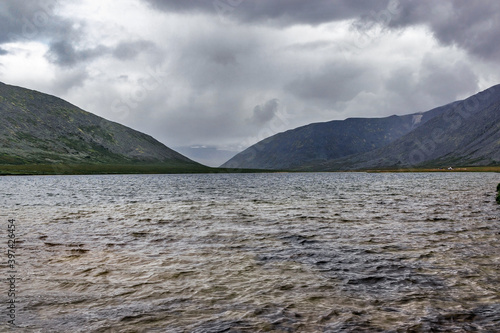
(226,73)
(64,53)
(264,113)
(33,20)
(278,12)
(472,25)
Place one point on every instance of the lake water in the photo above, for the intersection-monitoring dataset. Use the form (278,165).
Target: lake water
(317,252)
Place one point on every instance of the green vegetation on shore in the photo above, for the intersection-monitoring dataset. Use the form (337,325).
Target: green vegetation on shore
(94,169)
(172,168)
(460,169)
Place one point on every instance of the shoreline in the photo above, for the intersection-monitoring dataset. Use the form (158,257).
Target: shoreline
(112,169)
(458,169)
(124,169)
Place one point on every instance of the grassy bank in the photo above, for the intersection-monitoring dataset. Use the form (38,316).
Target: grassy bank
(460,169)
(94,169)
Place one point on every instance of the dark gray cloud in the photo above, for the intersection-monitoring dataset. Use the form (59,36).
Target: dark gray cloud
(471,25)
(33,19)
(3,52)
(279,12)
(289,12)
(64,53)
(264,113)
(30,20)
(182,6)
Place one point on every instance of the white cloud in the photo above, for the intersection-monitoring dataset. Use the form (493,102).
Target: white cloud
(25,65)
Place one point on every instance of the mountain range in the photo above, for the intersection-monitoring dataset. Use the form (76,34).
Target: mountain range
(42,130)
(37,128)
(461,133)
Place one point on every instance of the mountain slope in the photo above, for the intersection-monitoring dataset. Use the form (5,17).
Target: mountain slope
(466,134)
(320,142)
(37,128)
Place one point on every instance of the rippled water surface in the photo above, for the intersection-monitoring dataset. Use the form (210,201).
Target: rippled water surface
(323,252)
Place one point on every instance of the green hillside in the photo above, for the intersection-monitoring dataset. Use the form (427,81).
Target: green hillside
(46,131)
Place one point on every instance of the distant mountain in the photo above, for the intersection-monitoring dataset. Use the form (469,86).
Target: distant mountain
(321,142)
(462,133)
(467,133)
(210,156)
(37,128)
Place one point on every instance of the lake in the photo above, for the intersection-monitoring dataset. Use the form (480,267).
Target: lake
(286,252)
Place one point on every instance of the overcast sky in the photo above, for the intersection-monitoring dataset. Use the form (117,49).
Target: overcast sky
(227,73)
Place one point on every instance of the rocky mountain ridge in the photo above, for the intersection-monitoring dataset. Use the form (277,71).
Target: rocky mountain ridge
(37,128)
(465,132)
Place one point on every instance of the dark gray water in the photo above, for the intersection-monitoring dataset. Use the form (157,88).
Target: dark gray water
(335,252)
